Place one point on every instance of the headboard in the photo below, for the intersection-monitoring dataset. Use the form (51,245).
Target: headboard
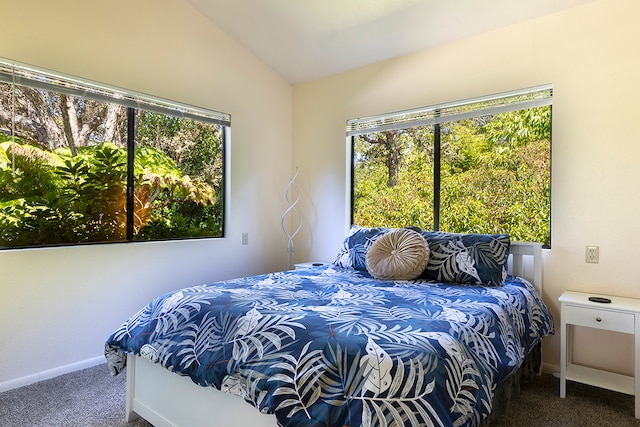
(519,250)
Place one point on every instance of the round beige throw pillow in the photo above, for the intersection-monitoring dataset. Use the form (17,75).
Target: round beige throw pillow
(400,254)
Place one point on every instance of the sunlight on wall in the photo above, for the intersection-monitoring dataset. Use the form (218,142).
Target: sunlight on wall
(166,49)
(588,54)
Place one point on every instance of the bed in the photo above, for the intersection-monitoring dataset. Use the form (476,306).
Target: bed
(334,345)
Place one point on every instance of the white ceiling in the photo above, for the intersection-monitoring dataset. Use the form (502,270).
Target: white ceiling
(304,40)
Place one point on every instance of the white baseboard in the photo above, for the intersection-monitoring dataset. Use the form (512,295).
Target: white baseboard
(51,373)
(549,368)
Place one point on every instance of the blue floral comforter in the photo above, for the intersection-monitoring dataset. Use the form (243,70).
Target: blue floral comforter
(333,347)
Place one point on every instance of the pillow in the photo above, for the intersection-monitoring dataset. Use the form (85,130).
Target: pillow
(355,247)
(398,255)
(479,259)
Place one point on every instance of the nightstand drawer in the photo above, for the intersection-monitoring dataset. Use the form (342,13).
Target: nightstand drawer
(601,319)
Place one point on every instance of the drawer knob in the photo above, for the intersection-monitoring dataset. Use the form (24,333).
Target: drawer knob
(598,319)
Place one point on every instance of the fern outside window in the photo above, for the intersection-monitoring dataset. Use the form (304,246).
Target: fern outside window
(82,162)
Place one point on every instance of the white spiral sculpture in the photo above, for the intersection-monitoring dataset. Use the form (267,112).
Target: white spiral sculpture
(292,208)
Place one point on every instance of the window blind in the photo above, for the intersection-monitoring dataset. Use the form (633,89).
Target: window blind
(425,116)
(26,75)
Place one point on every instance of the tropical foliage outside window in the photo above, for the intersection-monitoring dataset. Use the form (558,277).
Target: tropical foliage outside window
(481,174)
(77,169)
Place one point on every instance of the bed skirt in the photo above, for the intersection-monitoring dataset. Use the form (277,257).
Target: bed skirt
(510,387)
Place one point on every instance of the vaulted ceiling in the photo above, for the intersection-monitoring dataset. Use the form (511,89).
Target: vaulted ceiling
(304,40)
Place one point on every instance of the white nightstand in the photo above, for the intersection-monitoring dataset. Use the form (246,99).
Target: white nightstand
(310,264)
(620,315)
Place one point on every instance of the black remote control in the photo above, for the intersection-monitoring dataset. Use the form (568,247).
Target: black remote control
(600,300)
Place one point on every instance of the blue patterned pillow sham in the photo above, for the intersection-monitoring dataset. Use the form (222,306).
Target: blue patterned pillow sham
(355,246)
(478,259)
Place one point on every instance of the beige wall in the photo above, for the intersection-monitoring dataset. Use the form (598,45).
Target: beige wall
(591,55)
(58,305)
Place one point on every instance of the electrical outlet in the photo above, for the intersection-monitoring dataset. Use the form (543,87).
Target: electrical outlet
(592,255)
(245,238)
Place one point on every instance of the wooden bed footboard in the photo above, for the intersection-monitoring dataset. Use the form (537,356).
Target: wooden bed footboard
(166,399)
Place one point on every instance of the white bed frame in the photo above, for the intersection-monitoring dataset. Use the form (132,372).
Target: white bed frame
(166,399)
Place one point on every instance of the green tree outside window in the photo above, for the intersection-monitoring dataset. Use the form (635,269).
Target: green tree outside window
(495,176)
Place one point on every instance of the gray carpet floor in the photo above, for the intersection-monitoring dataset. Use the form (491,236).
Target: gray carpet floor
(539,405)
(87,398)
(93,398)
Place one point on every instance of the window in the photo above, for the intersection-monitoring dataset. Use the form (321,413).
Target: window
(477,166)
(85,163)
